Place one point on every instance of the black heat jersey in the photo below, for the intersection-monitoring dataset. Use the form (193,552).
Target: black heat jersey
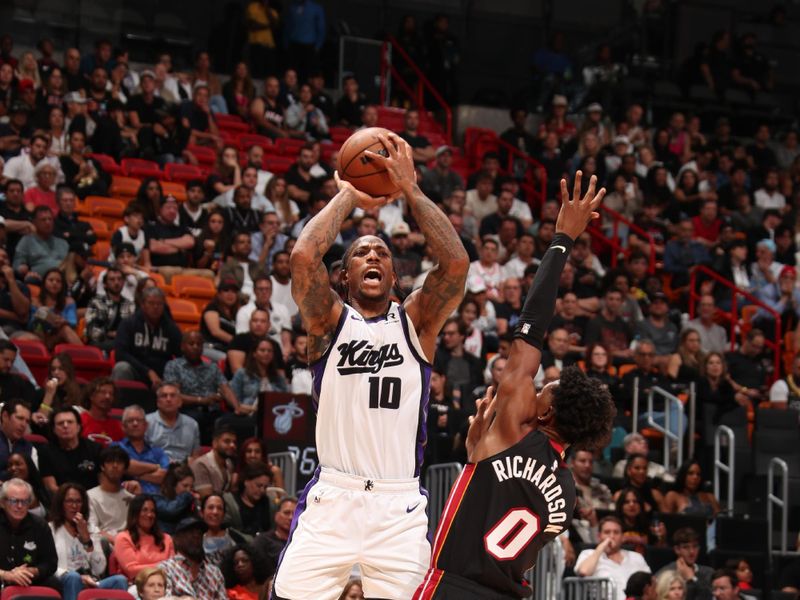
(500,512)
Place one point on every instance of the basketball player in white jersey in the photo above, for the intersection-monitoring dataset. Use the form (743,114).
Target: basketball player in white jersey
(371,362)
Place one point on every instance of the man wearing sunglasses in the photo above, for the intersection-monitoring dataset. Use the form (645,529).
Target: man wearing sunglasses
(27,552)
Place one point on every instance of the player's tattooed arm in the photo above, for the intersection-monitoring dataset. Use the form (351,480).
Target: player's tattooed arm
(443,289)
(319,305)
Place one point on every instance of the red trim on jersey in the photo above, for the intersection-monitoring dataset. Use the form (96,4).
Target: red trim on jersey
(557,447)
(427,588)
(450,510)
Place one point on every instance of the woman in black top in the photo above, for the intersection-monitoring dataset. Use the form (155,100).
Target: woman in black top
(218,325)
(638,527)
(636,477)
(715,387)
(84,175)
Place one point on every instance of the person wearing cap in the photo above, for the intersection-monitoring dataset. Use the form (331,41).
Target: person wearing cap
(23,166)
(765,270)
(189,573)
(203,387)
(407,263)
(16,132)
(557,121)
(142,110)
(441,180)
(782,296)
(421,146)
(659,328)
(107,309)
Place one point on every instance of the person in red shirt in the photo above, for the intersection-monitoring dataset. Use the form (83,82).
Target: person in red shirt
(707,224)
(96,420)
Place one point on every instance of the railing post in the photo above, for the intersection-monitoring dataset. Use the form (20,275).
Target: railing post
(734,318)
(692,416)
(670,401)
(729,469)
(692,282)
(781,502)
(635,408)
(776,369)
(615,244)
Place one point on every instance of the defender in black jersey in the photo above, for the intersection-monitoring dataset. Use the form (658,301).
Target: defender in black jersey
(516,493)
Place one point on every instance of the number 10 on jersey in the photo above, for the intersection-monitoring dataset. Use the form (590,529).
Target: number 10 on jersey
(384,392)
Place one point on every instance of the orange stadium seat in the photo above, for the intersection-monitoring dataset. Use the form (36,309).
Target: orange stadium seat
(124,187)
(199,290)
(101,250)
(99,226)
(178,190)
(100,206)
(185,313)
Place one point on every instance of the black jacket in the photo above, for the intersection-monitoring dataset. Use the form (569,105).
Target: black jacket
(32,544)
(147,348)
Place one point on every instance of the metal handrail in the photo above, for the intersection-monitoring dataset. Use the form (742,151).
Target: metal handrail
(669,436)
(588,588)
(545,576)
(692,416)
(439,479)
(781,502)
(423,83)
(719,466)
(287,462)
(733,314)
(615,242)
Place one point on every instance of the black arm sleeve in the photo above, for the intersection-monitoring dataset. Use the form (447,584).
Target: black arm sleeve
(541,301)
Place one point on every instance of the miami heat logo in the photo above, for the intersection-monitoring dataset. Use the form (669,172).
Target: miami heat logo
(284,415)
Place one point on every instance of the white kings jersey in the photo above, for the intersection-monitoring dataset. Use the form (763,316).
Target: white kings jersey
(371,391)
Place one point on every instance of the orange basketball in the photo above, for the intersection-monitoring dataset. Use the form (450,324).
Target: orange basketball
(362,170)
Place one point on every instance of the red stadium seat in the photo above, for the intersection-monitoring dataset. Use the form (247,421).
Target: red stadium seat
(182,173)
(205,156)
(249,140)
(278,164)
(108,163)
(138,167)
(231,124)
(35,438)
(340,134)
(98,594)
(89,361)
(30,592)
(289,146)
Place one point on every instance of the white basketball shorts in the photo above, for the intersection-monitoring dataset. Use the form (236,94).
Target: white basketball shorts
(342,520)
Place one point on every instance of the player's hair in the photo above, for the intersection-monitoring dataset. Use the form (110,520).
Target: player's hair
(584,411)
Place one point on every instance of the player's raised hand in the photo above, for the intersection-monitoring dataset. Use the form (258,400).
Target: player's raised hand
(363,200)
(576,212)
(398,160)
(479,424)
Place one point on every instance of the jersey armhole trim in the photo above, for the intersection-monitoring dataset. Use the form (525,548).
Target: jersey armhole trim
(336,333)
(411,337)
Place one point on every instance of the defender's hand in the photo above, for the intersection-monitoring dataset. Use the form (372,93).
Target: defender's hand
(479,424)
(577,212)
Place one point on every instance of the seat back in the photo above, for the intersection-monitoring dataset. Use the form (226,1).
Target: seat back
(98,594)
(31,592)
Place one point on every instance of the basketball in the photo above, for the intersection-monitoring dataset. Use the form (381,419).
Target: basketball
(360,169)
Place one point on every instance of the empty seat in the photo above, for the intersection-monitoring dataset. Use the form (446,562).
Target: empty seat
(135,392)
(205,156)
(182,173)
(100,206)
(776,443)
(98,594)
(197,289)
(124,187)
(248,140)
(108,163)
(32,592)
(99,226)
(139,167)
(176,190)
(289,146)
(775,418)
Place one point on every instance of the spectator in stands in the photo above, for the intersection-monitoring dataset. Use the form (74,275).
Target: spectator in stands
(463,370)
(638,529)
(96,420)
(555,357)
(197,119)
(641,586)
(659,328)
(636,443)
(146,341)
(218,323)
(79,235)
(142,544)
(351,104)
(688,497)
(213,471)
(53,314)
(69,457)
(15,416)
(17,217)
(258,374)
(105,312)
(783,297)
(303,35)
(636,468)
(272,542)
(242,216)
(713,337)
(227,173)
(147,463)
(670,586)
(748,366)
(609,329)
(598,366)
(707,224)
(203,387)
(769,196)
(304,120)
(760,155)
(189,573)
(258,328)
(301,183)
(279,315)
(60,389)
(686,544)
(176,499)
(487,270)
(480,201)
(23,467)
(167,428)
(422,149)
(15,135)
(218,538)
(212,243)
(109,500)
(15,298)
(287,210)
(281,282)
(258,201)
(151,583)
(239,90)
(170,244)
(266,242)
(132,233)
(646,376)
(43,192)
(594,494)
(683,252)
(765,270)
(684,366)
(440,180)
(493,223)
(716,388)
(26,542)
(522,258)
(609,559)
(247,572)
(266,112)
(23,166)
(40,252)
(81,561)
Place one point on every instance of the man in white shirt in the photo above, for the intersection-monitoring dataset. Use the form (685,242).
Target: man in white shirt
(257,200)
(608,559)
(481,201)
(108,502)
(255,158)
(23,166)
(487,269)
(279,315)
(713,337)
(769,196)
(282,282)
(522,258)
